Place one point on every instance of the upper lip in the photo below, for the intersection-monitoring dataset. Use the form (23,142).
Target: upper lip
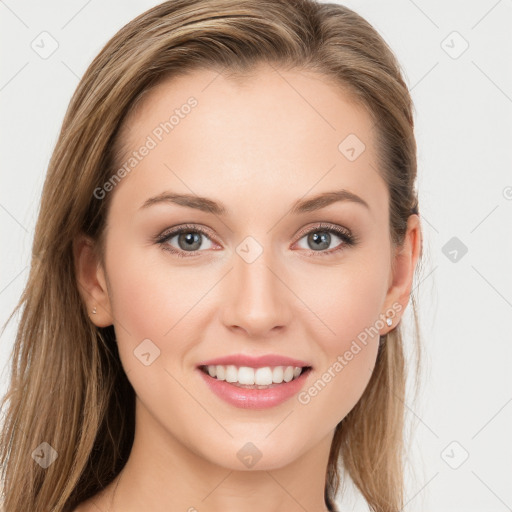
(255,362)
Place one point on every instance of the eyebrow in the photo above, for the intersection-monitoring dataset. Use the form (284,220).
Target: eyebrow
(210,206)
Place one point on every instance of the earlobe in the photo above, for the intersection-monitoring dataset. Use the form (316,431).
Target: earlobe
(91,282)
(404,265)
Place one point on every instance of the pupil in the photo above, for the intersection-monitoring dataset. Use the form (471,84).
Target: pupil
(190,239)
(321,241)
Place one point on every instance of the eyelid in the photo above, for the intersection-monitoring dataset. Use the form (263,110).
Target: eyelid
(169,233)
(345,234)
(324,226)
(175,230)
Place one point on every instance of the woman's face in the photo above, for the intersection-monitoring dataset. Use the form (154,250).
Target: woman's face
(257,271)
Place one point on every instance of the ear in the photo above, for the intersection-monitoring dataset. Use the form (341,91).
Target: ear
(402,273)
(91,281)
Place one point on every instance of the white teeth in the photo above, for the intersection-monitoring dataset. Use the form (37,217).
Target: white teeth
(246,375)
(277,375)
(221,372)
(263,376)
(231,374)
(288,374)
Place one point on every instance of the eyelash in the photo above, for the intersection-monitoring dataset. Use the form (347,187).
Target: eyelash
(349,240)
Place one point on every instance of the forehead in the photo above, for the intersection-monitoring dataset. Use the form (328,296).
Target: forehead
(265,100)
(274,130)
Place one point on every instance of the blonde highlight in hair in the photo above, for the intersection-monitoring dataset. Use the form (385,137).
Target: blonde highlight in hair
(67,386)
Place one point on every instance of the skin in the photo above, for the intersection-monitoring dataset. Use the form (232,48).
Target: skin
(256,146)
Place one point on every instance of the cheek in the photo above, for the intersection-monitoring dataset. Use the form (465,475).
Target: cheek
(347,303)
(349,347)
(336,388)
(151,296)
(153,299)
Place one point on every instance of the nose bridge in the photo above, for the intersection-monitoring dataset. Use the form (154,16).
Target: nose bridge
(259,300)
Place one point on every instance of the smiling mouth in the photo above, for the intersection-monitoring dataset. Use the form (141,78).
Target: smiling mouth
(255,378)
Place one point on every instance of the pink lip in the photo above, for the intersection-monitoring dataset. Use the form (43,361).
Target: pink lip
(255,362)
(247,398)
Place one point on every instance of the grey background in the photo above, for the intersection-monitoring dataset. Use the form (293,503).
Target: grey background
(461,447)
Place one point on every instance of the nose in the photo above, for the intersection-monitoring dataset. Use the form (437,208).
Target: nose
(257,298)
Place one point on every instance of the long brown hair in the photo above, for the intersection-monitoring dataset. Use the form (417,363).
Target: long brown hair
(67,386)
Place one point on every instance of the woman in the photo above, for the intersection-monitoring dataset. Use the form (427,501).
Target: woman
(226,246)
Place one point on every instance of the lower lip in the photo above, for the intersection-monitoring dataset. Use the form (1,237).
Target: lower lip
(246,398)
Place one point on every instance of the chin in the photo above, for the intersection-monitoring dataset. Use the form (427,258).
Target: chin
(258,455)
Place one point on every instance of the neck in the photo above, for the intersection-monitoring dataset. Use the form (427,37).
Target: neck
(164,474)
